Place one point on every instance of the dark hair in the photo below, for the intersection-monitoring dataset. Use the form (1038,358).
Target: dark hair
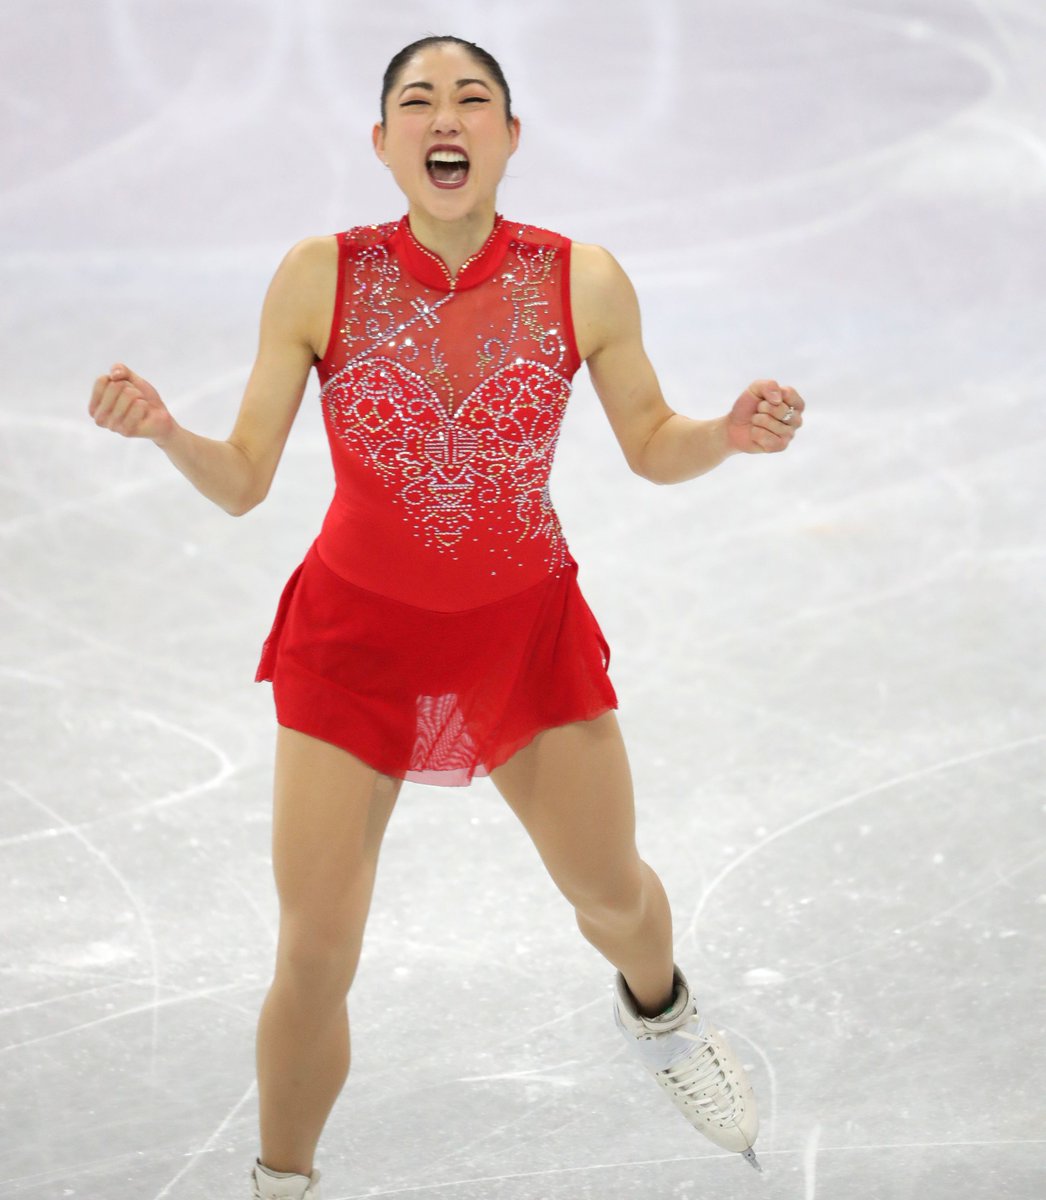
(483,57)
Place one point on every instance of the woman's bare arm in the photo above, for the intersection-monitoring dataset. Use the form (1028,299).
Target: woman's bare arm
(658,443)
(237,473)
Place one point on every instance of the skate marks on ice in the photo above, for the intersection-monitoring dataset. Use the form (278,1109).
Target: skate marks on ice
(612,1179)
(885,786)
(810,1164)
(210,1143)
(993,878)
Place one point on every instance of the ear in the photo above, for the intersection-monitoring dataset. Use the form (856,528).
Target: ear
(514,128)
(378,138)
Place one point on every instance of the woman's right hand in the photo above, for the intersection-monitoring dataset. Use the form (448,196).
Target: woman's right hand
(129,405)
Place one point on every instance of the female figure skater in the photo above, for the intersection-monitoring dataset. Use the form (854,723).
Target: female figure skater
(435,630)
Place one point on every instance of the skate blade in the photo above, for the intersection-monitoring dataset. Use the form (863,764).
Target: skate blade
(749,1157)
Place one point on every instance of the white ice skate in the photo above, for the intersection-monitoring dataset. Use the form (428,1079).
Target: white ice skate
(294,1187)
(693,1063)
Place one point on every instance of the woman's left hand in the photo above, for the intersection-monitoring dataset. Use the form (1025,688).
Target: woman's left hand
(764,418)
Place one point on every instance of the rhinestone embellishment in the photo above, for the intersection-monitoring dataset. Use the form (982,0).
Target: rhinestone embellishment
(476,467)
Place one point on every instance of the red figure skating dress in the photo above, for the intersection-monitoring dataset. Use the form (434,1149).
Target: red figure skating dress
(436,624)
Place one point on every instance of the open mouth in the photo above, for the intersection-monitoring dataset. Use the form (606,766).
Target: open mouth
(447,168)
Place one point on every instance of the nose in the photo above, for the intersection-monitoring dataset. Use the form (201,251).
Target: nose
(444,117)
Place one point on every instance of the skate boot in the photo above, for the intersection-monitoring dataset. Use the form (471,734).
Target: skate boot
(693,1063)
(268,1186)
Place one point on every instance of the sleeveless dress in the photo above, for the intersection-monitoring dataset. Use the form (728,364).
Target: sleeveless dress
(436,624)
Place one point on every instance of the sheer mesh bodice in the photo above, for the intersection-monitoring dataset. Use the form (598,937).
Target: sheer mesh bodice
(443,399)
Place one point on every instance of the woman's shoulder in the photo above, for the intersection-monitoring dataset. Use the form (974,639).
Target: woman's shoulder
(312,253)
(595,268)
(592,268)
(323,248)
(315,258)
(596,277)
(601,294)
(311,261)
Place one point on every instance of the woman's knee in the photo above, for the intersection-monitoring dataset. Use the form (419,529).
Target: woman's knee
(616,894)
(321,953)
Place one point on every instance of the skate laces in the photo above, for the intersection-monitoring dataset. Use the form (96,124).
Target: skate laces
(701,1081)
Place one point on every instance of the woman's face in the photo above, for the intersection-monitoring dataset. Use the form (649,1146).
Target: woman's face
(445,137)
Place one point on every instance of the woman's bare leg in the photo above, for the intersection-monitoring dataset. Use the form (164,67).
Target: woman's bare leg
(329,817)
(572,789)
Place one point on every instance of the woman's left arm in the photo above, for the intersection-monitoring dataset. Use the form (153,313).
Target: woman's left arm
(658,443)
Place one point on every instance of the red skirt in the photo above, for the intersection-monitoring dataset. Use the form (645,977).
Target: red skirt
(433,697)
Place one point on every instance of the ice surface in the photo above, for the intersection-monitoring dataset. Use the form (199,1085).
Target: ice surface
(830,663)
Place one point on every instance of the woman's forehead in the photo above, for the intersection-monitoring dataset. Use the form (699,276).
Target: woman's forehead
(442,61)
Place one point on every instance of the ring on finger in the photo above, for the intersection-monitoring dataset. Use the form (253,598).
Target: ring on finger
(788,415)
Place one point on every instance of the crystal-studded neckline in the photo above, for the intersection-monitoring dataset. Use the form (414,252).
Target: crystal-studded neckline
(428,268)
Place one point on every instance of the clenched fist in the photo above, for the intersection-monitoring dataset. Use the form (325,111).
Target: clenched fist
(765,417)
(129,405)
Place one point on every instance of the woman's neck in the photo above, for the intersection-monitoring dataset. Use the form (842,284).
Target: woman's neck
(454,241)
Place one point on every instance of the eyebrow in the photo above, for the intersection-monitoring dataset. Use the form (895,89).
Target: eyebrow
(429,88)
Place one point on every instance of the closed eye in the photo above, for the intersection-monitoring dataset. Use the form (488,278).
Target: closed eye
(467,100)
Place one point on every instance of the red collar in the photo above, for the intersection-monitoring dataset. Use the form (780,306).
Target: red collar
(428,268)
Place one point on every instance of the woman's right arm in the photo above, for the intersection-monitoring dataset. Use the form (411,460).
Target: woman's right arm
(236,473)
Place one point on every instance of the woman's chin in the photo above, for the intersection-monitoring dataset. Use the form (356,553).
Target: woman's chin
(450,204)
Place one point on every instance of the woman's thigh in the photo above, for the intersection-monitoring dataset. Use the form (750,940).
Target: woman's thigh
(571,787)
(330,812)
